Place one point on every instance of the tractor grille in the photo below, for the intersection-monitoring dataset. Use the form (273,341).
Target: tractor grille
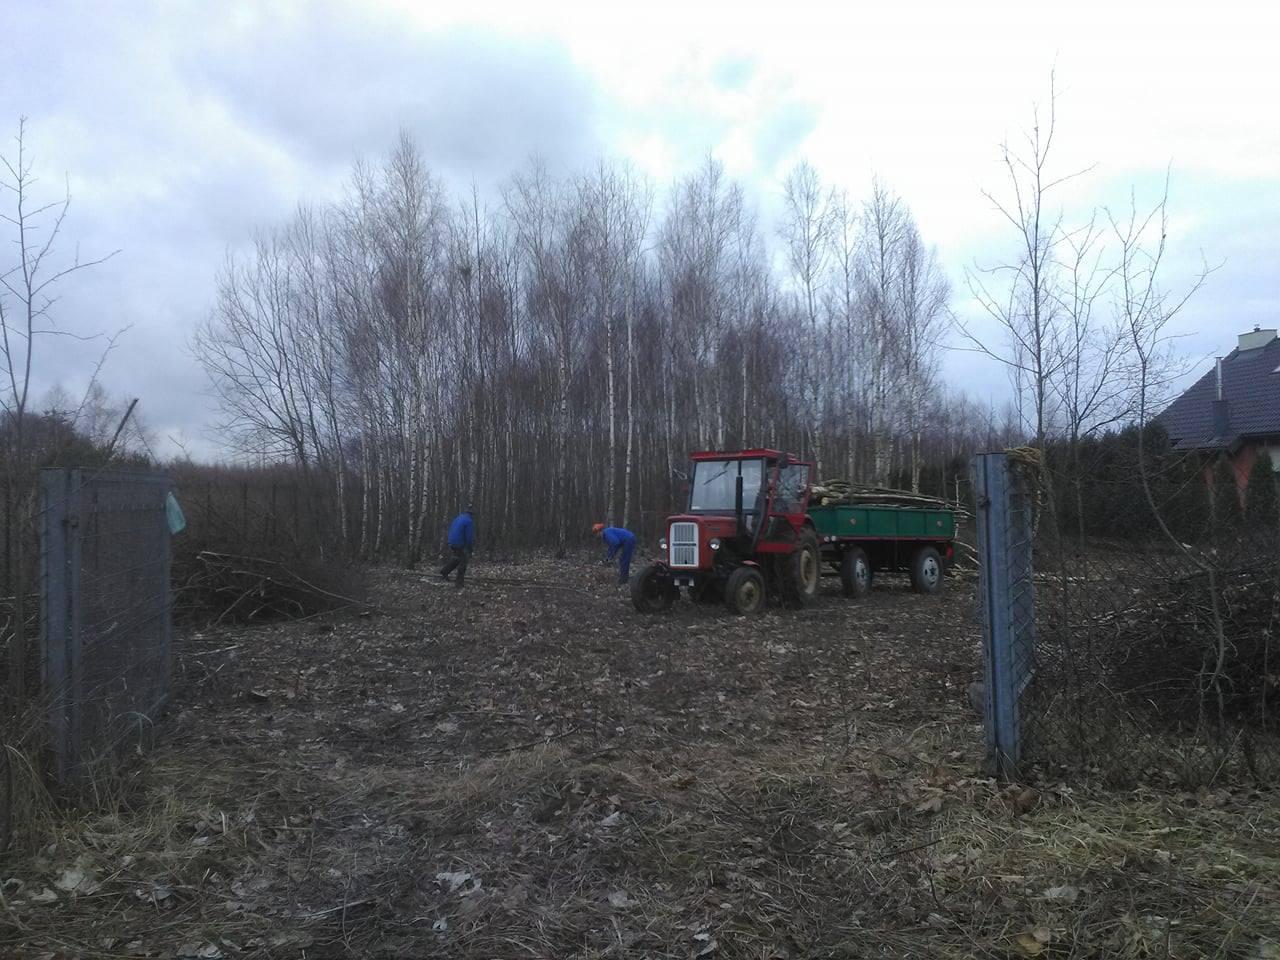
(684,544)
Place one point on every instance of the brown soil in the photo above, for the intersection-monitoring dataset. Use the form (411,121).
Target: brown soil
(529,768)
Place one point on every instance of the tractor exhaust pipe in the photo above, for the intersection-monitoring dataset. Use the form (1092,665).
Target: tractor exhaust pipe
(737,502)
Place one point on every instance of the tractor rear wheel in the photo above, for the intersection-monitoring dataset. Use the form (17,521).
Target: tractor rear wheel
(855,573)
(744,593)
(652,590)
(926,571)
(801,571)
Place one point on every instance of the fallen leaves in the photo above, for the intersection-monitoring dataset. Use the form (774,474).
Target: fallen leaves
(1065,893)
(1033,942)
(156,894)
(931,804)
(1025,800)
(78,880)
(453,881)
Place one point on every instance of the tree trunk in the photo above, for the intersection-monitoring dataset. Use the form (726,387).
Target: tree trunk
(612,465)
(562,455)
(631,422)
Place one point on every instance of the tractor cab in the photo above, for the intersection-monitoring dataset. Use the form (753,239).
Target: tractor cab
(744,534)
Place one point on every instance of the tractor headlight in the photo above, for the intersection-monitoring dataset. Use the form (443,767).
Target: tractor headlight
(662,543)
(714,543)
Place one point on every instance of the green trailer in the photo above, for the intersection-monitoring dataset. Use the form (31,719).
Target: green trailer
(860,539)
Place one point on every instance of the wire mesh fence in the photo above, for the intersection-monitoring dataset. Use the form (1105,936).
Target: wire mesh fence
(105,612)
(251,516)
(1153,656)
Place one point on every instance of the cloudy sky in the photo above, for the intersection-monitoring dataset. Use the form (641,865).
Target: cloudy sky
(182,127)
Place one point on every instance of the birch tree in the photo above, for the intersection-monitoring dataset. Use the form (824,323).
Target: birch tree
(921,307)
(556,354)
(879,267)
(806,232)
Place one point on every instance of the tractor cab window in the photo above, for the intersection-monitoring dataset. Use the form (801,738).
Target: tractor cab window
(715,483)
(793,479)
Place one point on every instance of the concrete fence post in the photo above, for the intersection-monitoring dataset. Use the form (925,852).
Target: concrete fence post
(991,477)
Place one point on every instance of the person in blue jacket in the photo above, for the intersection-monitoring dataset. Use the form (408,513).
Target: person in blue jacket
(619,541)
(462,537)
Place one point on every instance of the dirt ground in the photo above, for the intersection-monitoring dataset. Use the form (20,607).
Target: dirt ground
(529,768)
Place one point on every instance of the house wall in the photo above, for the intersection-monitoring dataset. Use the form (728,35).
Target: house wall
(1242,462)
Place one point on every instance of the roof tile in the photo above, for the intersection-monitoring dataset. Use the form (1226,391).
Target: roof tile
(1251,387)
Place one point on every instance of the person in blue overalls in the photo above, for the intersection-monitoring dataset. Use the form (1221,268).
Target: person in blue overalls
(621,542)
(462,537)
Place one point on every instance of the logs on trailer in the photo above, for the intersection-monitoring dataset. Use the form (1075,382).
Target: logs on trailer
(835,492)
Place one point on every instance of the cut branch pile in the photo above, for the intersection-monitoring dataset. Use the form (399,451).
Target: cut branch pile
(239,589)
(1170,658)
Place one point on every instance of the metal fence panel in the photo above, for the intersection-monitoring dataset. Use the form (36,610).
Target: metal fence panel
(56,633)
(1114,649)
(107,619)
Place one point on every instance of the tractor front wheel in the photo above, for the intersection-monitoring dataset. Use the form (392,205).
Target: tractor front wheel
(744,593)
(652,590)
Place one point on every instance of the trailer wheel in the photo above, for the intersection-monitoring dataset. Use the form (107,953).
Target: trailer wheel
(926,571)
(801,571)
(652,590)
(855,573)
(744,593)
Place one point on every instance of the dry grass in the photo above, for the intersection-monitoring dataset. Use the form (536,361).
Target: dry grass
(525,772)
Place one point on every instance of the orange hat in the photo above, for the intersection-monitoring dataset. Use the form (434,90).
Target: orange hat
(597,527)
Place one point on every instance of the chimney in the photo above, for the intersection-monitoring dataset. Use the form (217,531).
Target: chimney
(1221,419)
(1256,338)
(1221,409)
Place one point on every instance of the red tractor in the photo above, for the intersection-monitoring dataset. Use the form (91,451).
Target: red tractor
(745,536)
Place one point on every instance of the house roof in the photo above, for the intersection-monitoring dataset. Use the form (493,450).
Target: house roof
(1251,389)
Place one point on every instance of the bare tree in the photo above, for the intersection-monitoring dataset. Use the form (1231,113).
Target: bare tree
(615,208)
(1088,385)
(29,286)
(1021,296)
(806,231)
(884,223)
(1145,310)
(552,237)
(554,357)
(846,320)
(922,294)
